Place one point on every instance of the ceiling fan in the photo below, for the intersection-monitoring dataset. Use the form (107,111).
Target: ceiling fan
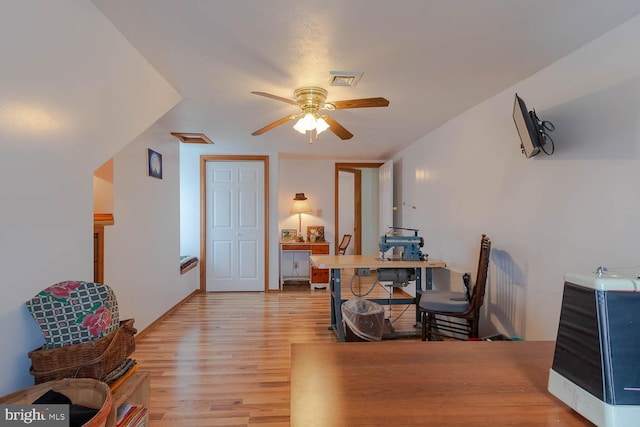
(311,100)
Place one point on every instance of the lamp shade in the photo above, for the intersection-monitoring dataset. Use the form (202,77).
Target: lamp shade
(300,204)
(321,125)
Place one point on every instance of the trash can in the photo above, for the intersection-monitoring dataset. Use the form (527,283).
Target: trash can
(363,320)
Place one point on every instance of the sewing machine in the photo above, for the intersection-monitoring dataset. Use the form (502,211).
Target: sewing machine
(409,245)
(410,251)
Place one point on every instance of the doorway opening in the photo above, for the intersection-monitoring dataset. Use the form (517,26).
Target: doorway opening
(356,205)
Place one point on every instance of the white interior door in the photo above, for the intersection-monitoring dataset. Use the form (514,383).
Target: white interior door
(235,226)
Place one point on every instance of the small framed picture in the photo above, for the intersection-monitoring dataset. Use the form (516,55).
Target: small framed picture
(315,233)
(289,235)
(154,162)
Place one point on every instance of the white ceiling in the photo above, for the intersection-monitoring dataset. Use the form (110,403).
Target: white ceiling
(432,59)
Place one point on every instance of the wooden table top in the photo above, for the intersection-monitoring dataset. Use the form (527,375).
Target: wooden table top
(369,261)
(415,383)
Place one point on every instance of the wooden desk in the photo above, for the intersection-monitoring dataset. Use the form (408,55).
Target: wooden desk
(337,262)
(415,383)
(317,277)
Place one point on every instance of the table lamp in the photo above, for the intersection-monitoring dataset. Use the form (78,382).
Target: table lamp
(300,206)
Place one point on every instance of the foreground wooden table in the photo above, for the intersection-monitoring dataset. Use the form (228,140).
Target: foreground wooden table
(415,383)
(337,262)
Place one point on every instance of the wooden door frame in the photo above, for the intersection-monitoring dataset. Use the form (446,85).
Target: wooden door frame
(357,212)
(350,167)
(203,210)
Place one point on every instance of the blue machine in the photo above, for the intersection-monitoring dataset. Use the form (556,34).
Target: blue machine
(409,245)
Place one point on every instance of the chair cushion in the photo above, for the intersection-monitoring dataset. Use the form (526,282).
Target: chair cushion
(455,302)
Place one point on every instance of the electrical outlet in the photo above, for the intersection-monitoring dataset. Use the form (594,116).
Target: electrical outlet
(363,271)
(295,264)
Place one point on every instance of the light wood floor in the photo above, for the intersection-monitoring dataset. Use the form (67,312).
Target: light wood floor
(223,359)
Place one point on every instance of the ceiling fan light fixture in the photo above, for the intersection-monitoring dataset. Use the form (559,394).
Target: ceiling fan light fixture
(306,123)
(311,100)
(311,122)
(299,126)
(321,125)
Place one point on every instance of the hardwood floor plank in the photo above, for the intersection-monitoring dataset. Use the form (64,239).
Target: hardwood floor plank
(223,359)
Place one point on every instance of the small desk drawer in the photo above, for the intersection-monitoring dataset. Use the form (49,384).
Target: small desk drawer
(319,275)
(320,249)
(296,247)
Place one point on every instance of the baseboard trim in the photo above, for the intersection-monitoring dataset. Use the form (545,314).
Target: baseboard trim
(148,329)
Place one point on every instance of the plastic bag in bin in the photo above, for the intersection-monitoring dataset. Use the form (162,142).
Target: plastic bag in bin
(364,318)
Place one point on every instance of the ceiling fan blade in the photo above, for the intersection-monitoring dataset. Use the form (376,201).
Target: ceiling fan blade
(337,128)
(277,98)
(272,125)
(360,103)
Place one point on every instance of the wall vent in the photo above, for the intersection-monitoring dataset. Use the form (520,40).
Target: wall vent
(345,78)
(192,138)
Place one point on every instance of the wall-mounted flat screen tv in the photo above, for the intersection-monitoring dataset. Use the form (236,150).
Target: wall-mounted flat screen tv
(531,139)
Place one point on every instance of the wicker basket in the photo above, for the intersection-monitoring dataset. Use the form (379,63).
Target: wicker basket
(82,391)
(93,359)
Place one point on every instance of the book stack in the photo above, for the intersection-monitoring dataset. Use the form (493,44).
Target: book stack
(129,415)
(120,374)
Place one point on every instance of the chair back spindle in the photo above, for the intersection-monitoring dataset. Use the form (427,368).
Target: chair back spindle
(344,244)
(479,289)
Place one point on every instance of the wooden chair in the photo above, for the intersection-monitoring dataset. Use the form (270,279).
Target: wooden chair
(452,314)
(344,244)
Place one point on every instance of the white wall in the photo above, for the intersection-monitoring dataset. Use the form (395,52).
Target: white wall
(370,209)
(546,216)
(347,212)
(103,188)
(370,212)
(314,178)
(190,199)
(74,92)
(142,248)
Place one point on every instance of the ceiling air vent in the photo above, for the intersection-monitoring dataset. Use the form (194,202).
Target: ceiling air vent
(192,138)
(345,78)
